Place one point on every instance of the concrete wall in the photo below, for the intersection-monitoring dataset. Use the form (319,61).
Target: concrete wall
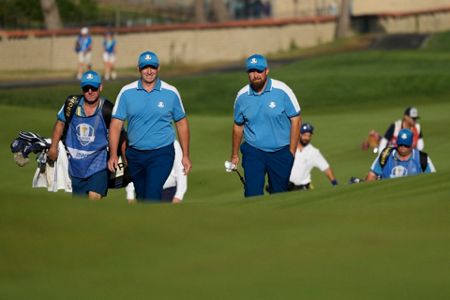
(370,7)
(196,46)
(423,23)
(298,8)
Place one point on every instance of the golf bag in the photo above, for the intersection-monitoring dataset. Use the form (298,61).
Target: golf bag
(29,142)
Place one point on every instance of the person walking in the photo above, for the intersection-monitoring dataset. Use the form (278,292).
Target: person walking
(308,157)
(402,160)
(150,106)
(409,121)
(82,127)
(83,48)
(109,56)
(267,116)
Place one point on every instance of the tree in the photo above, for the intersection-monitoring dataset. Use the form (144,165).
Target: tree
(199,11)
(51,14)
(343,22)
(220,10)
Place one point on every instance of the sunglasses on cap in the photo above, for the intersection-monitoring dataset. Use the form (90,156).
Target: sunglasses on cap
(86,88)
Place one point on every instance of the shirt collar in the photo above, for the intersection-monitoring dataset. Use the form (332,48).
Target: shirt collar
(268,88)
(156,87)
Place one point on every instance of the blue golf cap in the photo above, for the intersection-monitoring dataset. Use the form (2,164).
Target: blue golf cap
(306,127)
(405,138)
(148,58)
(256,62)
(91,78)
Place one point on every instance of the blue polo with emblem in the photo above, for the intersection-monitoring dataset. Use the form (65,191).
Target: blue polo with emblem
(395,167)
(149,114)
(266,116)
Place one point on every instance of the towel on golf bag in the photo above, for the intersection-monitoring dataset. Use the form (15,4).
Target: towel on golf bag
(56,176)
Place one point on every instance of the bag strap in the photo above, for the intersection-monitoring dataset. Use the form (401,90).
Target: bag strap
(69,110)
(107,111)
(423,160)
(384,155)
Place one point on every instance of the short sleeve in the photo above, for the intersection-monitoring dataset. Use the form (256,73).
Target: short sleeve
(119,110)
(376,167)
(60,116)
(178,109)
(238,116)
(291,104)
(320,162)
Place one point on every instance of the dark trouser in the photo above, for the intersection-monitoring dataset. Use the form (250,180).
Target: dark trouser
(257,163)
(149,170)
(293,187)
(168,194)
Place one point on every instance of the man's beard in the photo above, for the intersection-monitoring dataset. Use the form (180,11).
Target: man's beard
(304,143)
(257,86)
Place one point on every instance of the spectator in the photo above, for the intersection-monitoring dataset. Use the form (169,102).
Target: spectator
(83,48)
(109,55)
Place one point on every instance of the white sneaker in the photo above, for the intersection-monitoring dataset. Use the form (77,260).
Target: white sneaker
(113,75)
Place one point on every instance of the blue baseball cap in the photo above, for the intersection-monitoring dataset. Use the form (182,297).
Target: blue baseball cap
(306,127)
(91,78)
(148,58)
(256,62)
(405,138)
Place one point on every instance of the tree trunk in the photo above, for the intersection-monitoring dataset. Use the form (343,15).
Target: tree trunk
(51,14)
(343,22)
(199,11)
(220,11)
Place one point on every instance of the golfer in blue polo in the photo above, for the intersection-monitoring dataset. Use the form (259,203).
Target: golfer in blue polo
(150,106)
(267,115)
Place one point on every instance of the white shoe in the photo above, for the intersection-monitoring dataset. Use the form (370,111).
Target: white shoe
(113,75)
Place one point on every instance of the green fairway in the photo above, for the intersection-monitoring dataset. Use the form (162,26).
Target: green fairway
(381,240)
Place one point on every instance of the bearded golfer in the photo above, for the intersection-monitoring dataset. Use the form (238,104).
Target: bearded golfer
(267,115)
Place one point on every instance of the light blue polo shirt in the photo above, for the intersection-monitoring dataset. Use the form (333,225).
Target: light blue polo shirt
(266,116)
(149,114)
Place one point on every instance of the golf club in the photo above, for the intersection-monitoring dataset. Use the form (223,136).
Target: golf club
(230,167)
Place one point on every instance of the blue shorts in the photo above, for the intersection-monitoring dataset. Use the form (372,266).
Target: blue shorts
(97,183)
